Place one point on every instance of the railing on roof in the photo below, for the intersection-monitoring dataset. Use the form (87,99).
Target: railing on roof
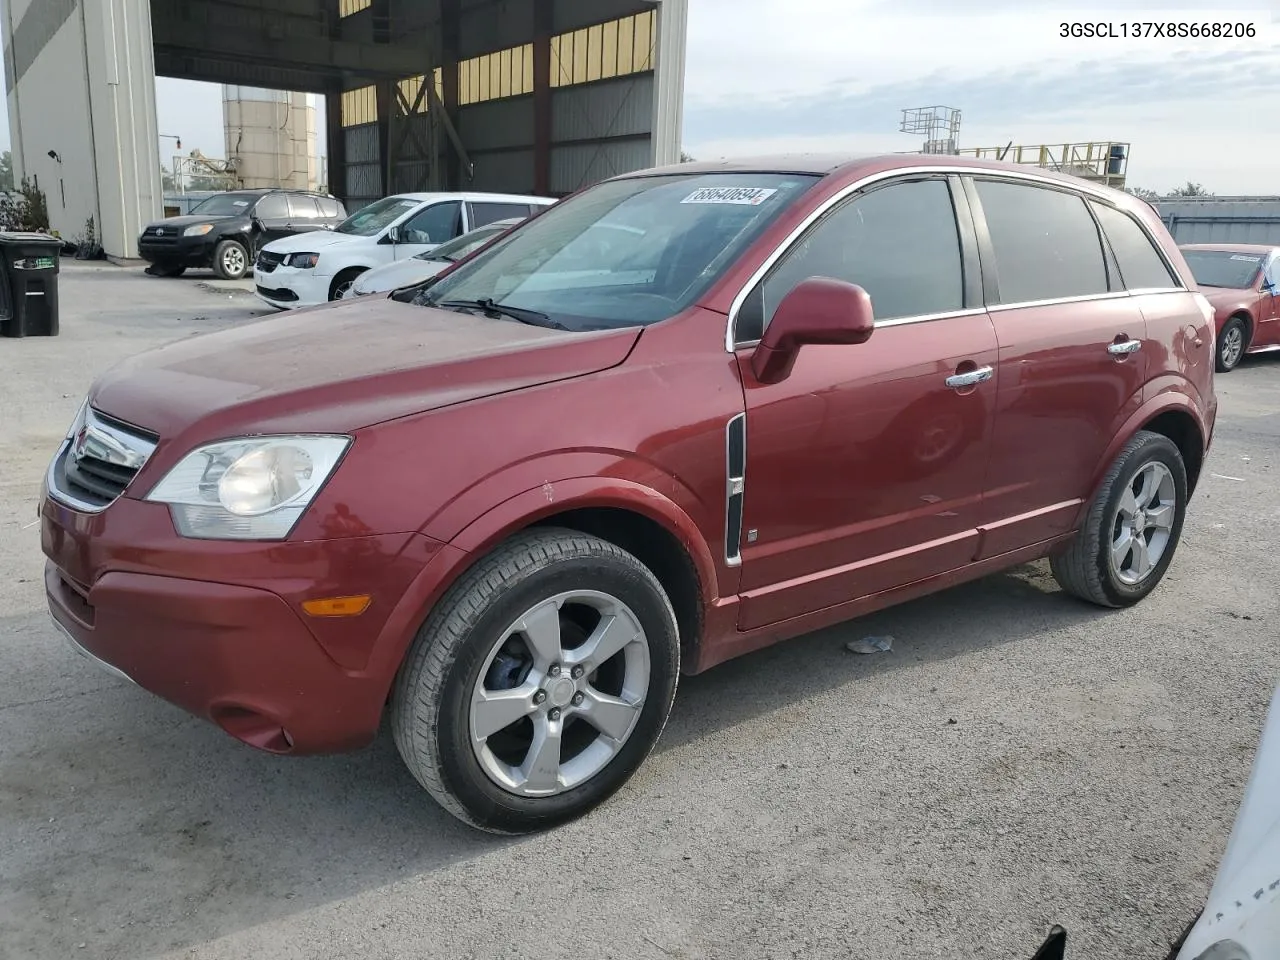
(1103,161)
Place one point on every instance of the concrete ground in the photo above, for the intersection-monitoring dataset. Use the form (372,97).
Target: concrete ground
(1017,760)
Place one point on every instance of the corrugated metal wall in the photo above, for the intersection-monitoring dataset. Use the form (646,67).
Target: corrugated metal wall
(1222,221)
(364,169)
(600,130)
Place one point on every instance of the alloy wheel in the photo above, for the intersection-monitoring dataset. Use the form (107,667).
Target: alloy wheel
(1143,525)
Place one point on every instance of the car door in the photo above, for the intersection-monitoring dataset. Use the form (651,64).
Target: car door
(332,212)
(1268,331)
(864,467)
(1072,363)
(271,214)
(304,214)
(430,226)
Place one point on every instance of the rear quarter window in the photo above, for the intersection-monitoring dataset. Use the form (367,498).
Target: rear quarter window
(1046,244)
(1141,266)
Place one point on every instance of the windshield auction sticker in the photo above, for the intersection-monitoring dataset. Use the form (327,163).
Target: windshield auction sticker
(739,196)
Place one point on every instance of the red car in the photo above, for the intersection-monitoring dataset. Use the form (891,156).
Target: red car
(1242,281)
(678,417)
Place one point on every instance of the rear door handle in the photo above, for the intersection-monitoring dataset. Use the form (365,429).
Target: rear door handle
(971,378)
(1124,348)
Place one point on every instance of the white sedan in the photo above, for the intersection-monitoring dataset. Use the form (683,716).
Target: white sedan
(424,266)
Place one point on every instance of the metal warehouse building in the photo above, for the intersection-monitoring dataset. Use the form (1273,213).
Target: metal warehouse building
(1222,219)
(528,96)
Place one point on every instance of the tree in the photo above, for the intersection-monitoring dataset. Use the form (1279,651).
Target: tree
(6,171)
(1142,193)
(686,158)
(1190,190)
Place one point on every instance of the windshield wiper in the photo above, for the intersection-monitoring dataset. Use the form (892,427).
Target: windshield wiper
(492,309)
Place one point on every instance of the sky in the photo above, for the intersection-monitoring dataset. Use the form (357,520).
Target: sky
(768,76)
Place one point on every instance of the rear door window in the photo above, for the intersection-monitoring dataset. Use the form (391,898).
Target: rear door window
(1046,244)
(900,243)
(303,208)
(272,207)
(1141,266)
(485,213)
(330,209)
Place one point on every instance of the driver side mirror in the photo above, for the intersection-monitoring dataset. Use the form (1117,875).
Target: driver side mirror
(817,311)
(393,235)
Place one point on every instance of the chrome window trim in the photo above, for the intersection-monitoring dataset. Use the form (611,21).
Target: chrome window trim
(899,322)
(1084,189)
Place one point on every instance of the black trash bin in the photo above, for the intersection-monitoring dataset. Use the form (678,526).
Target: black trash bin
(29,284)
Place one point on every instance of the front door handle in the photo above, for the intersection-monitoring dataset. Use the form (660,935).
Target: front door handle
(1124,348)
(971,378)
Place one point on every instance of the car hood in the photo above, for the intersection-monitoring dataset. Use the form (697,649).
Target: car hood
(179,223)
(1241,918)
(312,242)
(339,367)
(402,273)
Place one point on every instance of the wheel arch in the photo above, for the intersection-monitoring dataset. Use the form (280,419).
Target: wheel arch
(1249,325)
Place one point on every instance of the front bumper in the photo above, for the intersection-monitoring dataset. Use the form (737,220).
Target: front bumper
(286,288)
(218,628)
(178,251)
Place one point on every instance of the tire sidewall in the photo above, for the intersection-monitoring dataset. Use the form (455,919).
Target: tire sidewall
(461,771)
(1233,323)
(1150,448)
(347,277)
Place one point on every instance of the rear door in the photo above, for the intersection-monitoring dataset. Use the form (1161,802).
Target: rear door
(1073,356)
(864,468)
(304,214)
(1268,332)
(332,212)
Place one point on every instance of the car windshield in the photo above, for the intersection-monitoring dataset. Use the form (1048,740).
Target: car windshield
(625,252)
(226,205)
(1223,268)
(467,243)
(376,217)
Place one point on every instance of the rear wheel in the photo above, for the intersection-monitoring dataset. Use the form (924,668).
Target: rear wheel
(230,260)
(1132,529)
(1232,343)
(539,684)
(342,283)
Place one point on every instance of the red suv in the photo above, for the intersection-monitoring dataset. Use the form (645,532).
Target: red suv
(678,417)
(1242,282)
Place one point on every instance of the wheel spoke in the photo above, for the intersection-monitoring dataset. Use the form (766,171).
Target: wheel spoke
(611,634)
(541,627)
(541,768)
(1141,558)
(1149,482)
(1120,548)
(495,710)
(611,716)
(1128,504)
(1161,518)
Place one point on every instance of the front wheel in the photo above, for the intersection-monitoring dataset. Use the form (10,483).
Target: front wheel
(342,283)
(1232,343)
(230,260)
(1132,528)
(539,684)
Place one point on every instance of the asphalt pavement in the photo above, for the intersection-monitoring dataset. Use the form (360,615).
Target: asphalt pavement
(1017,760)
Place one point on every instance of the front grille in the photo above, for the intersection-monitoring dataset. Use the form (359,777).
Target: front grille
(282,295)
(96,464)
(267,262)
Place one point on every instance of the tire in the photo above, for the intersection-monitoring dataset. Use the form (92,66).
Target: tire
(460,657)
(231,260)
(1086,568)
(166,270)
(1233,341)
(341,282)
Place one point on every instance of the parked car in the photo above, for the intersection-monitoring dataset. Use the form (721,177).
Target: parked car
(422,267)
(227,230)
(1242,281)
(680,416)
(306,271)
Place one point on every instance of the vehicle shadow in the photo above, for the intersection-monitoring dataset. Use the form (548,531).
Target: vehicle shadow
(156,832)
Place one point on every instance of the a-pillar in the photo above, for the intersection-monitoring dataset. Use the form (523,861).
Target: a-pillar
(80,76)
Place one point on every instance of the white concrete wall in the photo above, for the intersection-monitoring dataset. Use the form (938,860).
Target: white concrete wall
(89,96)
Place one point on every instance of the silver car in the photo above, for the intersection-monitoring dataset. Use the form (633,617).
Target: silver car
(406,273)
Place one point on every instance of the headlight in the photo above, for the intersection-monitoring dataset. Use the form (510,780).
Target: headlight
(302,261)
(199,230)
(251,489)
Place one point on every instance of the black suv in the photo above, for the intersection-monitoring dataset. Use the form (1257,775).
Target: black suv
(226,231)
